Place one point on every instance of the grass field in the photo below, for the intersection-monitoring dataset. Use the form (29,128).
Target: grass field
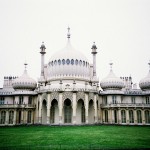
(74,137)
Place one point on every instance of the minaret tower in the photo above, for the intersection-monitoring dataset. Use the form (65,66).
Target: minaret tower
(94,52)
(42,58)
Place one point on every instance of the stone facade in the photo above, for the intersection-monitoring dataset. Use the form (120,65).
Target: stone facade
(69,92)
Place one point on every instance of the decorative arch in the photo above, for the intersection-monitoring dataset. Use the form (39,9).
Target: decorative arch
(44,111)
(91,96)
(91,111)
(123,116)
(44,97)
(67,111)
(139,116)
(54,111)
(80,95)
(67,95)
(11,116)
(147,116)
(54,95)
(80,111)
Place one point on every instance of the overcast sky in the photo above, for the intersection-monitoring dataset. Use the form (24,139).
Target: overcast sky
(120,28)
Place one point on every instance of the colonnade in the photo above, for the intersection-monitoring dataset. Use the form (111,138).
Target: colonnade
(90,106)
(16,116)
(126,116)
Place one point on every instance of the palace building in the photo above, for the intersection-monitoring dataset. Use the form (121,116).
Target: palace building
(68,91)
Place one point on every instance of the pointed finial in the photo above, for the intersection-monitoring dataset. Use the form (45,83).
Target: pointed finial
(25,64)
(43,48)
(94,46)
(68,34)
(111,64)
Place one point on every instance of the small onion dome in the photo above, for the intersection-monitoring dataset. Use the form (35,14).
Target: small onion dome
(111,82)
(145,82)
(24,82)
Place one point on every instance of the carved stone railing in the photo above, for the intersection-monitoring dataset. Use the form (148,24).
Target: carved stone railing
(17,106)
(125,105)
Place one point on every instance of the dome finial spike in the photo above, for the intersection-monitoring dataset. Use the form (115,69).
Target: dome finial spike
(111,64)
(25,64)
(68,34)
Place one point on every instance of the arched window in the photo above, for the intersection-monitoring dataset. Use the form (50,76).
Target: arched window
(63,61)
(55,62)
(20,100)
(11,117)
(59,62)
(83,63)
(3,117)
(147,100)
(76,62)
(115,116)
(139,117)
(80,62)
(114,99)
(72,62)
(106,115)
(123,116)
(67,61)
(29,116)
(67,111)
(131,117)
(30,100)
(82,113)
(86,64)
(147,116)
(52,63)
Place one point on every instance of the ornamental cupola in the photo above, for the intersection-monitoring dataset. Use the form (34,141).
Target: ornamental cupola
(111,82)
(24,82)
(145,82)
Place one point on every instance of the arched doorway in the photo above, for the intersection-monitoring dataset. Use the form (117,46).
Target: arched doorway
(44,112)
(80,112)
(67,111)
(91,111)
(54,112)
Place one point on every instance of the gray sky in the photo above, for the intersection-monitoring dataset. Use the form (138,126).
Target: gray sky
(120,28)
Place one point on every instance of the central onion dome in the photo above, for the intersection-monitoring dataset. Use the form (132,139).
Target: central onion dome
(24,82)
(111,82)
(145,82)
(68,63)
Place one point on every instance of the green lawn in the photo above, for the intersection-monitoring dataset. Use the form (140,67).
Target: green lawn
(74,137)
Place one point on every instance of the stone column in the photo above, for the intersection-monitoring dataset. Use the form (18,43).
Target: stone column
(40,109)
(135,116)
(112,116)
(143,117)
(48,109)
(119,116)
(60,108)
(7,117)
(74,106)
(103,116)
(14,119)
(95,109)
(86,108)
(127,116)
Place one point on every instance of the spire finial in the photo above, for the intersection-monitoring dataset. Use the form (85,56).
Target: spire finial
(68,34)
(25,64)
(111,64)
